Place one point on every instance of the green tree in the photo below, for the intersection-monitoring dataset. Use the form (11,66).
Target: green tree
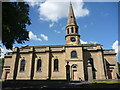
(15,18)
(1,62)
(1,66)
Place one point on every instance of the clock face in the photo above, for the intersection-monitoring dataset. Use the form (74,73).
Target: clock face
(72,39)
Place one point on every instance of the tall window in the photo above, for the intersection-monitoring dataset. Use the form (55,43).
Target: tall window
(72,30)
(76,30)
(39,65)
(56,65)
(22,66)
(73,54)
(68,31)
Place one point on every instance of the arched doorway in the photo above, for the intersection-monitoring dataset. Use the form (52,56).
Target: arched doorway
(7,72)
(110,74)
(74,72)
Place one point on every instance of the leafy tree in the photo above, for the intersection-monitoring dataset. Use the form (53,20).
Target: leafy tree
(0,51)
(15,18)
(1,62)
(1,66)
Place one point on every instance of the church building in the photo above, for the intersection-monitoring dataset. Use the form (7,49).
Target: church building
(72,61)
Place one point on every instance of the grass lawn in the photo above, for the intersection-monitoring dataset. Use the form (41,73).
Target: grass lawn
(106,82)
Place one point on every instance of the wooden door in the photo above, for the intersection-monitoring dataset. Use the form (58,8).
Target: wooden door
(6,75)
(109,74)
(75,75)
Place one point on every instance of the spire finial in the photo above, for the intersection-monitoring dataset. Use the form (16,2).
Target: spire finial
(71,17)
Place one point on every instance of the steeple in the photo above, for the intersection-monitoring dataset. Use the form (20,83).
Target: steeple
(72,37)
(71,16)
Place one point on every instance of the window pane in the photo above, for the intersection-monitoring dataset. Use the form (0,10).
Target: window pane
(39,65)
(73,54)
(76,30)
(68,31)
(72,30)
(56,65)
(22,66)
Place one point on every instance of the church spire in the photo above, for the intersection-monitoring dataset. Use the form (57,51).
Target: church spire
(71,16)
(72,35)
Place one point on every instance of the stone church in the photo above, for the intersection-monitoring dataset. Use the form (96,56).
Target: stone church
(72,61)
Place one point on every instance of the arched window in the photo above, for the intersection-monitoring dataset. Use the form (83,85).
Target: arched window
(56,65)
(76,30)
(73,54)
(68,31)
(72,30)
(39,62)
(22,66)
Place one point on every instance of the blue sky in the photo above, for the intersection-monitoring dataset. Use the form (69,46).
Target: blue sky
(98,23)
(101,26)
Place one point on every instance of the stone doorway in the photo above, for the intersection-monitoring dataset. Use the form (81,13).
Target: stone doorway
(74,72)
(6,75)
(75,75)
(110,74)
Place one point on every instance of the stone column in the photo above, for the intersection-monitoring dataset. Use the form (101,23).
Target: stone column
(14,64)
(90,74)
(32,62)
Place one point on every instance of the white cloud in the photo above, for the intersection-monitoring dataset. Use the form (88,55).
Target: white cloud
(3,51)
(70,0)
(57,31)
(116,47)
(51,25)
(94,42)
(53,11)
(83,42)
(44,37)
(32,36)
(33,2)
